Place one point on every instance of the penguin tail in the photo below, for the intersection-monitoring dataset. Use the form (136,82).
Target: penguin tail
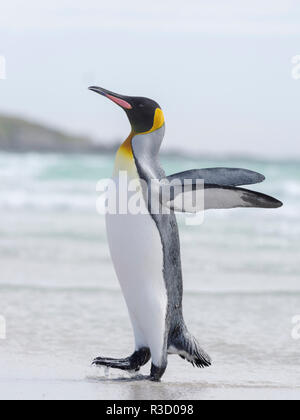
(188,348)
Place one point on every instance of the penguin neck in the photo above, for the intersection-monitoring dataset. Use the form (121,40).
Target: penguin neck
(145,149)
(141,148)
(148,144)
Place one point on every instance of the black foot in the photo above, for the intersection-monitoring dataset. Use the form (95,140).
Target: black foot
(157,373)
(138,359)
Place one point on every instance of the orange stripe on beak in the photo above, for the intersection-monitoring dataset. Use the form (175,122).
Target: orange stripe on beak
(119,101)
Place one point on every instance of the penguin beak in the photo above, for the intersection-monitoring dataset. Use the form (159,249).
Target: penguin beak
(116,98)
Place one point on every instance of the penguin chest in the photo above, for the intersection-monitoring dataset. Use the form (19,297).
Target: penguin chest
(137,254)
(136,249)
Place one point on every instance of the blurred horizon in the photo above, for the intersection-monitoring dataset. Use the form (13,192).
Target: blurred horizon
(52,140)
(222,73)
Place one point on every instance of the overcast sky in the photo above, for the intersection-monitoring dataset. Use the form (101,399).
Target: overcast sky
(220,69)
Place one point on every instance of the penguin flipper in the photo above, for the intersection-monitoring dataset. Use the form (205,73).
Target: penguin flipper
(220,197)
(132,363)
(231,177)
(196,198)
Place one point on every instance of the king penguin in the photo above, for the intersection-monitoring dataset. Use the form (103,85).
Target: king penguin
(145,247)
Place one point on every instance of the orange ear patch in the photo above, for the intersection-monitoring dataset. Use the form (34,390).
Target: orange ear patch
(158,122)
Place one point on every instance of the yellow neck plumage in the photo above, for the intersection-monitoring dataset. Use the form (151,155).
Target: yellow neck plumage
(124,157)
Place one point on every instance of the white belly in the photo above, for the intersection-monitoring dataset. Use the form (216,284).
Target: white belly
(137,254)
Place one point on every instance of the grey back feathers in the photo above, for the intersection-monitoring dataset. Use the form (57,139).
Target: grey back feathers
(149,168)
(176,332)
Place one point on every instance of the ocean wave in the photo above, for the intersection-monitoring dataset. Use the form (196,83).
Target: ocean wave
(61,182)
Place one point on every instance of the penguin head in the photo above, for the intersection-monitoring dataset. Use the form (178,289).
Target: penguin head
(145,115)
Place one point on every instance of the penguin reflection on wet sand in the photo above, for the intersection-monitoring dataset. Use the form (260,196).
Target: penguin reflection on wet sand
(145,248)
